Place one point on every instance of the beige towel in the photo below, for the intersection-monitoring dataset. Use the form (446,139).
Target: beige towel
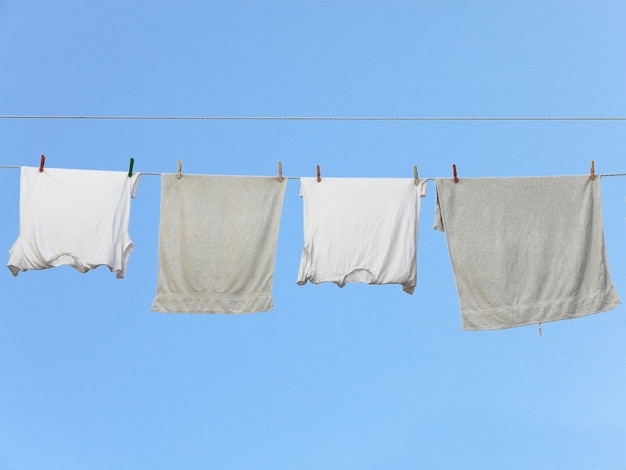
(525,250)
(217,243)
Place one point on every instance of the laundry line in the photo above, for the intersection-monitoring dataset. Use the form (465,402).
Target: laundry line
(151,173)
(321,118)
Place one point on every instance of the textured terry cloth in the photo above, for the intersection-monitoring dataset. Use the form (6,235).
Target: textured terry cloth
(360,230)
(525,250)
(217,243)
(71,217)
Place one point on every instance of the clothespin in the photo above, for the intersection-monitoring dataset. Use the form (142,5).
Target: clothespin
(415,174)
(180,167)
(41,162)
(456,178)
(319,178)
(130,169)
(280,172)
(592,174)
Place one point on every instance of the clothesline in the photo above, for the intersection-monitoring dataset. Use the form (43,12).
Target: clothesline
(559,273)
(325,118)
(148,173)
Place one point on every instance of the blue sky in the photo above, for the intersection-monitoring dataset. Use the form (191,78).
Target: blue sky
(363,377)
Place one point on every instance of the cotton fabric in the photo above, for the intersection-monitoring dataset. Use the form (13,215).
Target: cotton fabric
(360,230)
(73,217)
(217,243)
(525,250)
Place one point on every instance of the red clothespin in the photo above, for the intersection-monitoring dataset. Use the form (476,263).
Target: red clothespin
(319,178)
(592,173)
(41,162)
(280,172)
(456,178)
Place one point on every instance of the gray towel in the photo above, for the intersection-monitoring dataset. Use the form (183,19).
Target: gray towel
(525,250)
(217,243)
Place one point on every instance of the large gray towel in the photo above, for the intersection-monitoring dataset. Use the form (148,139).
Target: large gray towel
(525,250)
(217,243)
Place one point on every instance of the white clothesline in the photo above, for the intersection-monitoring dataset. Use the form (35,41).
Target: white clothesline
(148,173)
(325,118)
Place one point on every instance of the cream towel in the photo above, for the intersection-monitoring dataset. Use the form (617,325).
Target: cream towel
(217,243)
(71,217)
(361,230)
(525,250)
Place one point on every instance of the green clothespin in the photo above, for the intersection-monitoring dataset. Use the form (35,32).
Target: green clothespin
(130,170)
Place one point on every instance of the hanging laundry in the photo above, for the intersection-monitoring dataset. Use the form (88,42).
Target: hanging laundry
(71,217)
(361,230)
(525,250)
(217,243)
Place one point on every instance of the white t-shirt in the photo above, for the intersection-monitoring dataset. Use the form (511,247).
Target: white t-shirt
(73,217)
(361,230)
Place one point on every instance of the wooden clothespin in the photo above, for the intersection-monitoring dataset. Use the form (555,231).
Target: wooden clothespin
(130,169)
(180,167)
(319,178)
(280,172)
(592,174)
(456,178)
(415,175)
(41,162)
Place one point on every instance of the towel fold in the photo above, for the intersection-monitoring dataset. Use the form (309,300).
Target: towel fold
(525,250)
(361,230)
(217,243)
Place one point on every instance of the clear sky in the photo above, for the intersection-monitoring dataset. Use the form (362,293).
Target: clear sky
(364,377)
